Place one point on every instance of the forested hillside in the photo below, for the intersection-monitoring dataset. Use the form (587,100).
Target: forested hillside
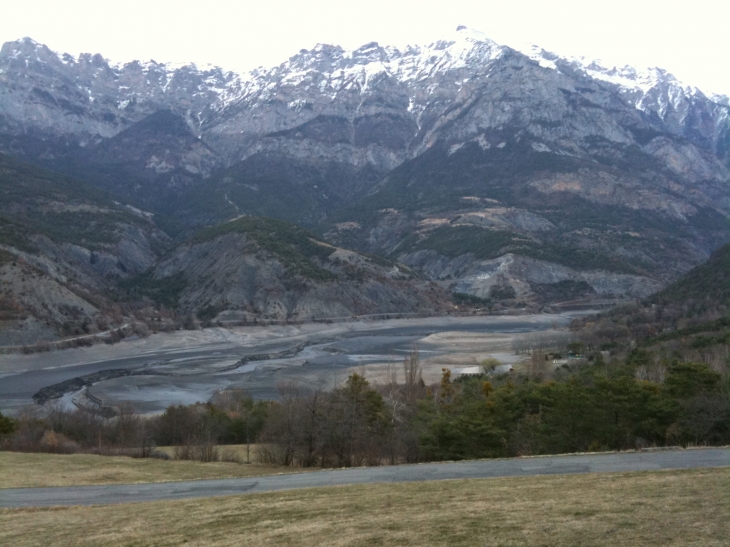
(255,268)
(694,308)
(64,246)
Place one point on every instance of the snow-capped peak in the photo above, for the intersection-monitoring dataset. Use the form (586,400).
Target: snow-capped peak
(473,35)
(627,77)
(332,69)
(648,89)
(328,70)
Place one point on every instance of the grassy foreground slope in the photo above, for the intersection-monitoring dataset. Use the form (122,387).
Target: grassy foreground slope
(24,470)
(668,508)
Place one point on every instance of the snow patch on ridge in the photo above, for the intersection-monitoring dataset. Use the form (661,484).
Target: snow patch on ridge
(649,90)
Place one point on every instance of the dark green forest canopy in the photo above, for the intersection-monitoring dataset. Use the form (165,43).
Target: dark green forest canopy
(21,181)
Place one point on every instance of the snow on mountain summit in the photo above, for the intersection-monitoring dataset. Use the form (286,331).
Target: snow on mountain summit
(463,49)
(654,91)
(416,75)
(332,71)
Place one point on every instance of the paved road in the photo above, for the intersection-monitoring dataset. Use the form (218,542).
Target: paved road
(553,465)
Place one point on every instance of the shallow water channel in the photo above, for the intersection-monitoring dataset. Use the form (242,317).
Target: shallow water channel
(187,367)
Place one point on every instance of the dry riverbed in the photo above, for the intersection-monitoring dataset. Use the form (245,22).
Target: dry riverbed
(460,352)
(190,366)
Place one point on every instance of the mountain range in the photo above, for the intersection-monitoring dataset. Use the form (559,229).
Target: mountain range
(488,171)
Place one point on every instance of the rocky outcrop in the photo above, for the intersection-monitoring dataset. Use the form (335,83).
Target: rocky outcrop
(63,247)
(529,278)
(258,269)
(684,109)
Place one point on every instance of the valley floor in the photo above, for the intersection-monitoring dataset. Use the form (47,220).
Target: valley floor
(184,367)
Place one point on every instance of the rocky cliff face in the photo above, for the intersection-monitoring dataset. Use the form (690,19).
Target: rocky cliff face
(252,269)
(361,112)
(63,247)
(604,171)
(682,108)
(86,98)
(527,278)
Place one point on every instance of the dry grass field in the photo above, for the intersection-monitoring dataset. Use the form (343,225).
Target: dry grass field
(667,508)
(21,470)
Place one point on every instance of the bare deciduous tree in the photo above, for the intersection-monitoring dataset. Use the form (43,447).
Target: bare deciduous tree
(538,367)
(413,385)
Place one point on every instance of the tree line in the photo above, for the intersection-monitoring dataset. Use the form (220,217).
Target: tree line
(588,405)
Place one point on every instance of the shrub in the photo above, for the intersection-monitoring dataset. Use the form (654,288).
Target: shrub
(7,425)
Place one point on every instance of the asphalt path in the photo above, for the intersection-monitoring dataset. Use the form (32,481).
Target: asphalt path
(517,467)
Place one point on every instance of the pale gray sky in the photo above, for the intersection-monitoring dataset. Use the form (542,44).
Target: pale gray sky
(688,38)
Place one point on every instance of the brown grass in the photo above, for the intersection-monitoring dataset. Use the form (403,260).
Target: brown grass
(667,508)
(226,452)
(26,470)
